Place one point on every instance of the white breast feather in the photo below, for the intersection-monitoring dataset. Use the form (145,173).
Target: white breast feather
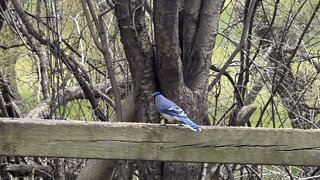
(169,117)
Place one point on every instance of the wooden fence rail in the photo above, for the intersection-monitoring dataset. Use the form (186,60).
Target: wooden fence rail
(134,141)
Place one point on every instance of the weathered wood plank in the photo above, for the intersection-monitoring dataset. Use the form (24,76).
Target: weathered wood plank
(21,137)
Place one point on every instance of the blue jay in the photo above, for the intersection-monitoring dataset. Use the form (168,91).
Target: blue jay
(171,111)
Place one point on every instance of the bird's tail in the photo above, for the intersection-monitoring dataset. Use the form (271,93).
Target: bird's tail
(190,124)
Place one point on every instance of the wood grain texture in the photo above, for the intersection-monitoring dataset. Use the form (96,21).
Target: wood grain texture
(135,141)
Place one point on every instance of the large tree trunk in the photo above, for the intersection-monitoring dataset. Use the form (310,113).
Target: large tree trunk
(140,55)
(182,65)
(184,51)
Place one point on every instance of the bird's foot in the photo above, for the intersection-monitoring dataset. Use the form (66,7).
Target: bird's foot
(163,122)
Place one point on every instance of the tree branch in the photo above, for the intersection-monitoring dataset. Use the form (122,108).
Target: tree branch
(70,61)
(5,47)
(240,45)
(18,170)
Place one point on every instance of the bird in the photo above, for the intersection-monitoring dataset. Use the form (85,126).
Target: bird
(171,111)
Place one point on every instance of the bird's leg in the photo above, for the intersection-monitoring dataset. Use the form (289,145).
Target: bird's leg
(163,121)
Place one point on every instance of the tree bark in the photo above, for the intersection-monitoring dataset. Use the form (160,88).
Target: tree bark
(183,64)
(140,54)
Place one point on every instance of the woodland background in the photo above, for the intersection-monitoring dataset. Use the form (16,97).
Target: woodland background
(221,60)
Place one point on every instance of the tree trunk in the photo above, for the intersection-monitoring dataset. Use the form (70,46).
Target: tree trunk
(140,55)
(184,38)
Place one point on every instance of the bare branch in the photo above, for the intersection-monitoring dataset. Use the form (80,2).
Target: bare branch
(240,45)
(18,170)
(5,47)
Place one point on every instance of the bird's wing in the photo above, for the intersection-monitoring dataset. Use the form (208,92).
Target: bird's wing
(175,111)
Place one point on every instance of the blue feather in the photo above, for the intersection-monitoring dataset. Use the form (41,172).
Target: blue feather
(170,110)
(190,124)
